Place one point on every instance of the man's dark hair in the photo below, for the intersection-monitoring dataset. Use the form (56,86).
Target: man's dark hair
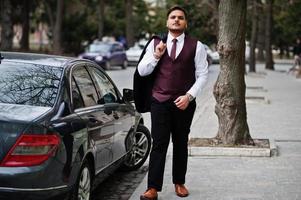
(176,8)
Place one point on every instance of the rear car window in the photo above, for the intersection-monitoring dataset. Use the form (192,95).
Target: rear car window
(29,84)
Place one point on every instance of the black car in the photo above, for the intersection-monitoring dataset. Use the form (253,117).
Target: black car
(64,126)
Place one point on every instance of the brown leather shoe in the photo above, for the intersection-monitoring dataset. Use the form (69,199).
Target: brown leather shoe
(181,190)
(149,194)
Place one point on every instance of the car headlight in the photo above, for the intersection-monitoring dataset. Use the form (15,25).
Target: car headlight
(98,58)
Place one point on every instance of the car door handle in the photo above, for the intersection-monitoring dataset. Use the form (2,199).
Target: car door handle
(92,119)
(115,115)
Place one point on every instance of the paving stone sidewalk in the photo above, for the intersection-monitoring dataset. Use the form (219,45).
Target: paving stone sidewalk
(276,116)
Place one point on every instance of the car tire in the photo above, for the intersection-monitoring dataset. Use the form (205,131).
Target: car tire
(107,65)
(124,64)
(140,148)
(83,186)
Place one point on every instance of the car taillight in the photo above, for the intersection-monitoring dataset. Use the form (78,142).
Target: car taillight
(31,150)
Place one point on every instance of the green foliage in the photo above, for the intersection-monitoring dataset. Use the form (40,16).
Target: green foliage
(157,21)
(287,23)
(81,19)
(76,30)
(200,16)
(140,15)
(115,18)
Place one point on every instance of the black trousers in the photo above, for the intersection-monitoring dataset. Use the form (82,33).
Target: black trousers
(167,120)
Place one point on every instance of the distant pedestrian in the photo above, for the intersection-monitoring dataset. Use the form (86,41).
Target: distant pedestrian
(180,70)
(122,40)
(297,56)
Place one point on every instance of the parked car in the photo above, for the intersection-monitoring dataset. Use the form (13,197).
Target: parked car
(212,56)
(64,127)
(106,54)
(133,54)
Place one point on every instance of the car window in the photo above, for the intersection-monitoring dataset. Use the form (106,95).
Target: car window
(117,47)
(29,84)
(106,89)
(76,96)
(99,47)
(86,89)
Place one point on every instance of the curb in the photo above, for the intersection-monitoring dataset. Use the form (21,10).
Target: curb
(234,151)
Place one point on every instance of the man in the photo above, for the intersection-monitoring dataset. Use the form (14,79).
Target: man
(180,70)
(297,57)
(297,53)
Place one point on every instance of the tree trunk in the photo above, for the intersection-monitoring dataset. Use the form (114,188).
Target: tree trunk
(50,14)
(252,61)
(260,33)
(101,19)
(269,63)
(24,43)
(6,25)
(57,38)
(229,89)
(129,24)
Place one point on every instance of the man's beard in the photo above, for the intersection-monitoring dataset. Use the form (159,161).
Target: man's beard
(176,30)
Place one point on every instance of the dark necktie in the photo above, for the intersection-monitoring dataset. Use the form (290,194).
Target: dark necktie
(173,49)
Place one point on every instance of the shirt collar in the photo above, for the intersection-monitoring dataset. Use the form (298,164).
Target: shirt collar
(180,38)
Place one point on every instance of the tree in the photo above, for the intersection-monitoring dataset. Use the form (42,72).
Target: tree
(6,25)
(269,63)
(101,10)
(55,15)
(260,32)
(252,61)
(57,38)
(129,28)
(286,24)
(140,16)
(24,43)
(202,18)
(229,89)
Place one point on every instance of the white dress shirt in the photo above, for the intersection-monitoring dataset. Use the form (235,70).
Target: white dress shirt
(149,62)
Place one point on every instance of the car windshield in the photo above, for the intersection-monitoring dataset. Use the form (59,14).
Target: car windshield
(100,47)
(29,84)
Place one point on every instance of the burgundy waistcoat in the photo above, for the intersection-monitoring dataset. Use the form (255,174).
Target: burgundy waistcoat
(175,78)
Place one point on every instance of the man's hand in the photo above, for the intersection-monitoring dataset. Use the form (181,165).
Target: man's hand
(182,102)
(159,50)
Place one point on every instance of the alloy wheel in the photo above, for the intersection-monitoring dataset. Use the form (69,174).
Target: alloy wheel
(84,185)
(141,144)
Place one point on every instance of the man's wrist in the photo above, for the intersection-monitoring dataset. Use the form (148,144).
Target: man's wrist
(190,97)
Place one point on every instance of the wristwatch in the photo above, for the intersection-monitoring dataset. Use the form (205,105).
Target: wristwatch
(190,97)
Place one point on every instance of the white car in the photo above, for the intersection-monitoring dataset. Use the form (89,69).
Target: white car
(212,56)
(133,54)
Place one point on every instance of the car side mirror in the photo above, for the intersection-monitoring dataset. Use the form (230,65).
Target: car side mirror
(128,95)
(107,98)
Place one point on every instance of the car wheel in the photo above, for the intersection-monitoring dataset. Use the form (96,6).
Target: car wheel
(140,148)
(82,190)
(124,64)
(107,65)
